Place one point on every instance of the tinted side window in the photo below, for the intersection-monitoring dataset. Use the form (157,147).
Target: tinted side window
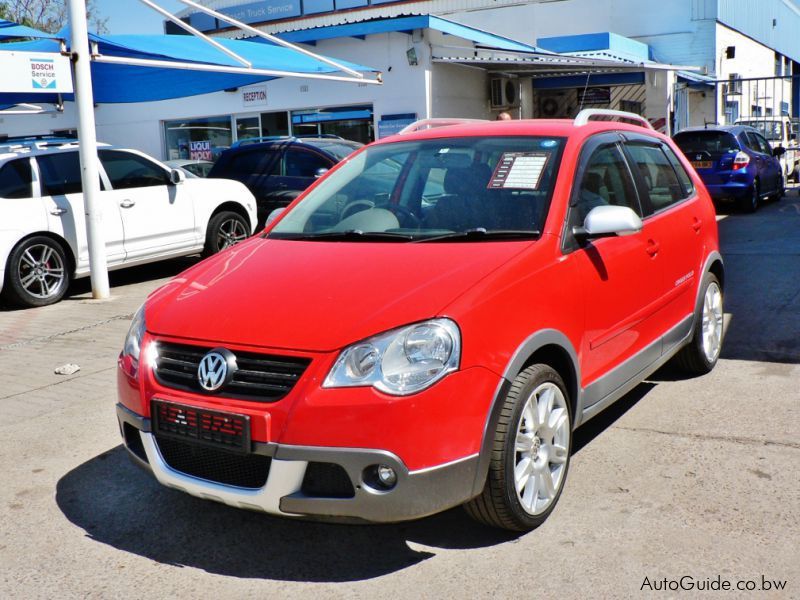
(60,173)
(752,141)
(16,179)
(248,163)
(658,175)
(606,181)
(763,144)
(683,176)
(302,163)
(126,170)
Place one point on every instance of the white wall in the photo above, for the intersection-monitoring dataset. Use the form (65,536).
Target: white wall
(140,125)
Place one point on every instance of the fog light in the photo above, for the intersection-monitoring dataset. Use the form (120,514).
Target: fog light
(387,476)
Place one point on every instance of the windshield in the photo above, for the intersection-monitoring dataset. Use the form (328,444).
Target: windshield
(772,130)
(713,142)
(440,189)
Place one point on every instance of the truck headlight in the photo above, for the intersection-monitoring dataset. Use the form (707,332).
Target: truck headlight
(402,361)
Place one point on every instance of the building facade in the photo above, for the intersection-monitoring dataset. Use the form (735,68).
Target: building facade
(680,63)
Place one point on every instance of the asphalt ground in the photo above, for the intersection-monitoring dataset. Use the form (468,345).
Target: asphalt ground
(683,478)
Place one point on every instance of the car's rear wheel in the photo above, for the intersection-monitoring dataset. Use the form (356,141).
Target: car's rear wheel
(779,191)
(37,272)
(529,455)
(225,229)
(700,355)
(749,203)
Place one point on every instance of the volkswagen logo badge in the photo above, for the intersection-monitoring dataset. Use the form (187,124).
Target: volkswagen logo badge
(216,369)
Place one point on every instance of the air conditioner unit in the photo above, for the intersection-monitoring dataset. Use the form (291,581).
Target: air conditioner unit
(503,92)
(550,105)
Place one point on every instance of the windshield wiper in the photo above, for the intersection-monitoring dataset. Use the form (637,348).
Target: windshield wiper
(479,234)
(350,235)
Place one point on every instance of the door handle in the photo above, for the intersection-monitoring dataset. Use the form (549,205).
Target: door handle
(652,247)
(697,224)
(127,203)
(58,211)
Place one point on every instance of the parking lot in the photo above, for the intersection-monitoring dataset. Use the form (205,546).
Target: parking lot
(682,477)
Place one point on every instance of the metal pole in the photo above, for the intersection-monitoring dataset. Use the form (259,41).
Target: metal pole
(87,136)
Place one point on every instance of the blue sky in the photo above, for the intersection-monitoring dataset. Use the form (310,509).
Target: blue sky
(131,16)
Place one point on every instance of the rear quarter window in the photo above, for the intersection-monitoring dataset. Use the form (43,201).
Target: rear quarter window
(16,179)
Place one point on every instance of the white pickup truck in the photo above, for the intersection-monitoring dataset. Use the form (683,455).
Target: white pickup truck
(780,131)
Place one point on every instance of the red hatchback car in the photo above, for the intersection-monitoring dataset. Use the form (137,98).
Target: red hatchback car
(428,324)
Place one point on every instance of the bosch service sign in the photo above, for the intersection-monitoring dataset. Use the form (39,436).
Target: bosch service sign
(43,74)
(35,72)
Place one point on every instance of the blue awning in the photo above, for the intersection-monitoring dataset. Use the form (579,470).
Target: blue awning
(11,30)
(481,39)
(125,83)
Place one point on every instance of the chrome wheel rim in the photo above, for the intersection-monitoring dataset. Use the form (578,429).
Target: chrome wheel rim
(541,448)
(41,271)
(230,233)
(712,322)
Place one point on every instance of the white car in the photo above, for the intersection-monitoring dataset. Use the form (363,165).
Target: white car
(150,213)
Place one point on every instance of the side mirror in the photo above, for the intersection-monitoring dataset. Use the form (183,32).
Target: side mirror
(778,151)
(176,176)
(609,220)
(274,215)
(320,172)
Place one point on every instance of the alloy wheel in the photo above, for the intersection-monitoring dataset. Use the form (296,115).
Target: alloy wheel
(231,232)
(712,322)
(541,448)
(41,271)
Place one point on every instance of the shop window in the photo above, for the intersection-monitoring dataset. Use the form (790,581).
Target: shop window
(247,128)
(197,139)
(274,124)
(126,170)
(15,179)
(632,106)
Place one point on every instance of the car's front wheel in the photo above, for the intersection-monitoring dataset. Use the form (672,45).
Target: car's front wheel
(225,229)
(530,453)
(37,272)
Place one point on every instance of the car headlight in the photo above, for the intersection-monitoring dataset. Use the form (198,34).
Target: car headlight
(133,341)
(402,361)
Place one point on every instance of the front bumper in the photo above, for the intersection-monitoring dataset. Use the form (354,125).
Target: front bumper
(416,494)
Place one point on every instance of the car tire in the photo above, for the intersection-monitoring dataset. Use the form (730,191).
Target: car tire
(530,453)
(37,272)
(700,355)
(749,203)
(225,229)
(780,191)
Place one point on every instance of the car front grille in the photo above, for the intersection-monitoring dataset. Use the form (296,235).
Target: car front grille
(212,464)
(259,377)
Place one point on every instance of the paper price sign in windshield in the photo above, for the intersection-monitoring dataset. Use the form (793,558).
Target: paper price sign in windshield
(519,171)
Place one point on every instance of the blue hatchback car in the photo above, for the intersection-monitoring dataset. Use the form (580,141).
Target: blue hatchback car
(735,162)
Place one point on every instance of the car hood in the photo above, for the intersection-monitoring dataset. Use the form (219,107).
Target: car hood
(318,296)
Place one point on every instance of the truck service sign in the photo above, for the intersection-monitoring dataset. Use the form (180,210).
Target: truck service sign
(35,72)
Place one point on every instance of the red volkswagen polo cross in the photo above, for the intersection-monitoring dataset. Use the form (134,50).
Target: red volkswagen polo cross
(428,324)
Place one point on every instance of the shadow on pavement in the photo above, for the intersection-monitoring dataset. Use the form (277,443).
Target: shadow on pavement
(132,275)
(586,433)
(762,282)
(118,504)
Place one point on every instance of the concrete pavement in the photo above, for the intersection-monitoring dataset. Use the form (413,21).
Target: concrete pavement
(694,477)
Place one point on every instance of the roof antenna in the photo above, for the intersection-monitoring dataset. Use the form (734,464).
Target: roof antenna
(585,87)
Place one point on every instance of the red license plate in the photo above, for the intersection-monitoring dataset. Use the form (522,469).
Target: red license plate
(201,426)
